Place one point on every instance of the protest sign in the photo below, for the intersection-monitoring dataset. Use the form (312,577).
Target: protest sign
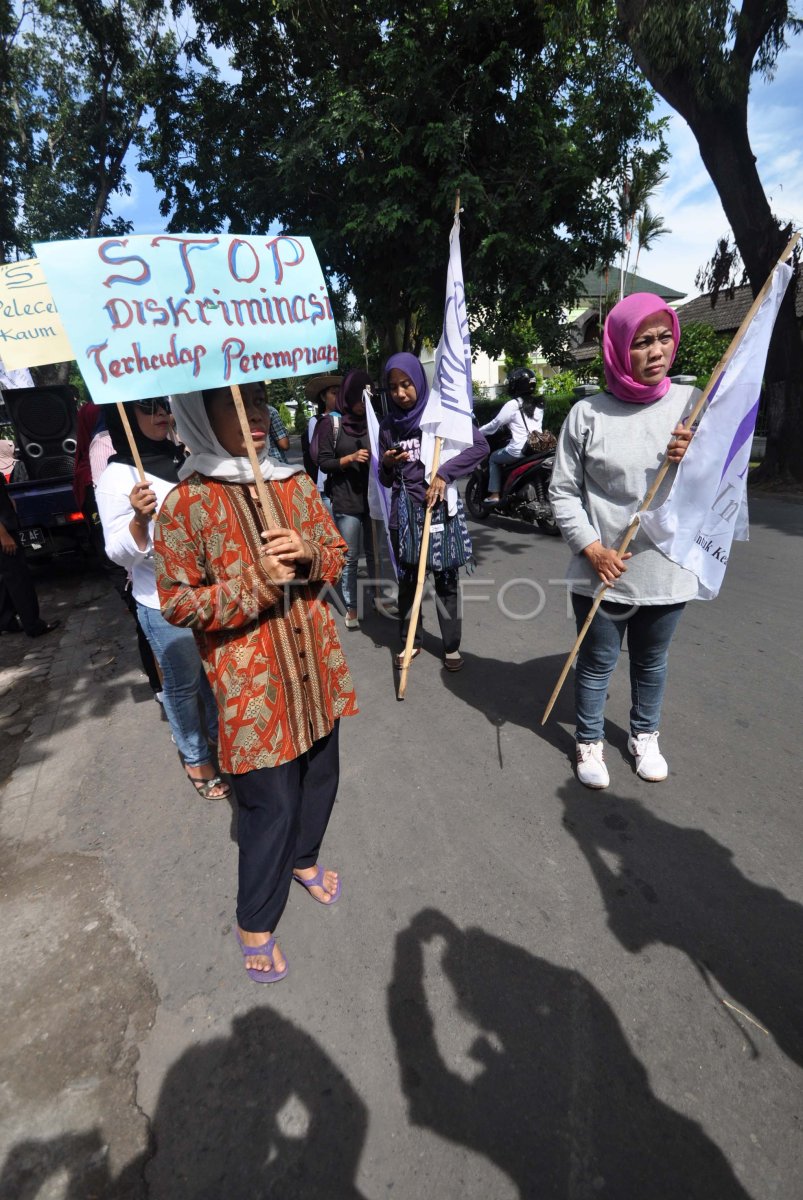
(172,313)
(31,330)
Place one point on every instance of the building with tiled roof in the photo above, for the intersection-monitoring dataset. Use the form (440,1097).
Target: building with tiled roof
(730,309)
(604,285)
(599,290)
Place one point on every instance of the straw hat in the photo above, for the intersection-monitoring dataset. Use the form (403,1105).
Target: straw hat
(319,383)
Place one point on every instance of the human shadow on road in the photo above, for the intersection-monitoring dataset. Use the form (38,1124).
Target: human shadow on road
(516,693)
(485,536)
(782,512)
(680,887)
(259,1115)
(557,1101)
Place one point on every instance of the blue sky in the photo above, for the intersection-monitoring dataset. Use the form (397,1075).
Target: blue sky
(687,201)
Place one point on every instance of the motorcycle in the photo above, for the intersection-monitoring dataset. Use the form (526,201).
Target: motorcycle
(525,490)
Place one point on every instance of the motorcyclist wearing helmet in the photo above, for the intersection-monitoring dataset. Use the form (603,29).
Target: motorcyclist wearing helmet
(522,414)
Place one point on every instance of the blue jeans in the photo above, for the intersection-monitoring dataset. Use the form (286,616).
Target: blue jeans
(649,631)
(351,527)
(185,683)
(499,459)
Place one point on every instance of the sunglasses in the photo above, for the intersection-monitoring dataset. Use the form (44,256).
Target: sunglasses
(151,407)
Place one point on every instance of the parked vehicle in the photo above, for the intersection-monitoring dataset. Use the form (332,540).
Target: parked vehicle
(41,486)
(525,490)
(50,524)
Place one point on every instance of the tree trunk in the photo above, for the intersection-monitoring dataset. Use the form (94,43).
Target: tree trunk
(721,132)
(50,375)
(728,157)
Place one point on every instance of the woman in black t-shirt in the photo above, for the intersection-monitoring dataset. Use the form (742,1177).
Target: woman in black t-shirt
(344,455)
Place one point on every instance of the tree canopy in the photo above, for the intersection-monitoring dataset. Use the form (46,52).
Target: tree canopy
(355,124)
(78,77)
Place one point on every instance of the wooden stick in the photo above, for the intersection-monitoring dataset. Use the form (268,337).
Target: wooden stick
(262,491)
(132,445)
(717,374)
(419,586)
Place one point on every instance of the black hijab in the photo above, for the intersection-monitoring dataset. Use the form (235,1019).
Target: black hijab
(159,458)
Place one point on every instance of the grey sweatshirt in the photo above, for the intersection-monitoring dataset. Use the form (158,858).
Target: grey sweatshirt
(608,455)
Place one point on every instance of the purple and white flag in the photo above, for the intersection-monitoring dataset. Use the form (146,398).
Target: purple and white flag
(707,506)
(451,399)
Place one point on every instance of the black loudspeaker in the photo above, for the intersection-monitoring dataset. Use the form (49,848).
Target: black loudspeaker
(44,421)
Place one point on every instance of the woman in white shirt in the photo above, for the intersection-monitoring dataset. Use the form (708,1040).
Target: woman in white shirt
(522,414)
(127,508)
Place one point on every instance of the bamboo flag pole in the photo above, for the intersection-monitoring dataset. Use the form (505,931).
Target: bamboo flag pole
(422,558)
(718,372)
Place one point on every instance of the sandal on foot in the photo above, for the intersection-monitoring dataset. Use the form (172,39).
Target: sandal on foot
(205,786)
(271,976)
(398,659)
(317,881)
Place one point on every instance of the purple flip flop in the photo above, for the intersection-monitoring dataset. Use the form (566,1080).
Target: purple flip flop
(317,881)
(271,976)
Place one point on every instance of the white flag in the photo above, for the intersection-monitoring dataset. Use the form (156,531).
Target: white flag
(707,506)
(378,494)
(451,399)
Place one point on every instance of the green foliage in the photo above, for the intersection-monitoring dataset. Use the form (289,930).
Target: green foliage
(593,371)
(485,410)
(521,339)
(75,378)
(286,417)
(280,391)
(556,410)
(560,384)
(77,80)
(301,420)
(700,349)
(356,123)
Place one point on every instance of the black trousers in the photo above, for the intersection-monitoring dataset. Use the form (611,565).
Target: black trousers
(447,607)
(283,813)
(17,592)
(146,655)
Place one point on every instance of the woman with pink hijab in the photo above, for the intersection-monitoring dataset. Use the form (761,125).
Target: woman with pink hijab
(609,452)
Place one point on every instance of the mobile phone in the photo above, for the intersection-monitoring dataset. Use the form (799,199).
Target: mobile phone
(397,448)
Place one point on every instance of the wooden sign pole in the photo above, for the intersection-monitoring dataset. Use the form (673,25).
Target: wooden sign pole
(262,491)
(132,445)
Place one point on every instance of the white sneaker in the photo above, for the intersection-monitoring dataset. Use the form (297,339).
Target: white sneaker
(650,762)
(591,769)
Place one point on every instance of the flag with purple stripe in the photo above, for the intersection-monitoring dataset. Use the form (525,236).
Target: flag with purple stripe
(707,506)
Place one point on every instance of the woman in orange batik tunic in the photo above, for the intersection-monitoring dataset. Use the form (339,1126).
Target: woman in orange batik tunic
(256,602)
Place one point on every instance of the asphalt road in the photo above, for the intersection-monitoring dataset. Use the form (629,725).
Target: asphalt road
(528,989)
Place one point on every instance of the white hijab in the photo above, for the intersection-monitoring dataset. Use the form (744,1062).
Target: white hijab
(207,456)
